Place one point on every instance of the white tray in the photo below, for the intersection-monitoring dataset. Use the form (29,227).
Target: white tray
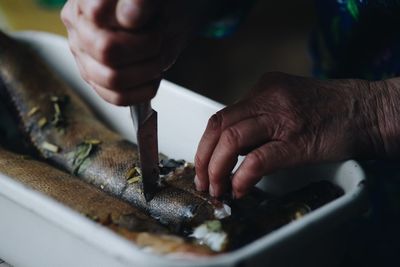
(38,231)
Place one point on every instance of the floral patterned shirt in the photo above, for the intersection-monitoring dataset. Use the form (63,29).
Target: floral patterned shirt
(357,39)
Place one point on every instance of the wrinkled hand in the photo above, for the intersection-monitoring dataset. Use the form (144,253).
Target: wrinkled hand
(286,121)
(122,47)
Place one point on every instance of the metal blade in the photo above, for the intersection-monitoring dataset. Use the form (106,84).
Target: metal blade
(146,120)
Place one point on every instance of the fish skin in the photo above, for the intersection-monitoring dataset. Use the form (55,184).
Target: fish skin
(28,83)
(73,192)
(115,214)
(177,205)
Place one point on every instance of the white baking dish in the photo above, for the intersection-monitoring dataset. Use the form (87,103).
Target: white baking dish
(38,231)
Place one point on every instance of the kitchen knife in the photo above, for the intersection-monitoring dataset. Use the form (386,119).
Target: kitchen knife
(145,122)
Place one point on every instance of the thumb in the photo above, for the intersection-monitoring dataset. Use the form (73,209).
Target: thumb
(264,160)
(133,14)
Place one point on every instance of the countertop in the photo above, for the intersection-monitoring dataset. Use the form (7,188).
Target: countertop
(18,15)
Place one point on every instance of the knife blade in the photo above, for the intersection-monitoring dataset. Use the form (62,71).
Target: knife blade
(145,122)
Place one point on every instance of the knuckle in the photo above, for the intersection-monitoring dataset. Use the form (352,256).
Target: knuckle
(64,15)
(238,185)
(95,11)
(198,162)
(117,99)
(213,174)
(256,162)
(106,48)
(230,137)
(112,78)
(215,122)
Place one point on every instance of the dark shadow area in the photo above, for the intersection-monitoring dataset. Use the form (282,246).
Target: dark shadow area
(274,37)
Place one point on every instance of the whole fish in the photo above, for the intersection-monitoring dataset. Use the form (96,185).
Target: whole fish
(113,213)
(65,131)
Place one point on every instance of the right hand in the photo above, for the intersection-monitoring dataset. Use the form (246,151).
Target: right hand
(287,121)
(123,47)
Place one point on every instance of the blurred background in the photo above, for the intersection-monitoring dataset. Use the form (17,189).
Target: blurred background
(273,37)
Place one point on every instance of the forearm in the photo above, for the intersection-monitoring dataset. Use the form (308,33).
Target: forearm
(387,103)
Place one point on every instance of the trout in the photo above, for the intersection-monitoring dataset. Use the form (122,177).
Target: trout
(62,130)
(91,202)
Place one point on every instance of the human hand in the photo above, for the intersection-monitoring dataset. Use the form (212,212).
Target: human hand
(286,121)
(123,47)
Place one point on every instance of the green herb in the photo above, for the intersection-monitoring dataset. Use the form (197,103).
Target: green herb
(138,170)
(300,210)
(86,163)
(50,147)
(214,226)
(133,172)
(58,118)
(42,122)
(33,111)
(93,141)
(134,175)
(135,179)
(57,108)
(82,154)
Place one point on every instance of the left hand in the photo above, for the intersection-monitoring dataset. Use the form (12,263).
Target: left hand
(284,122)
(123,47)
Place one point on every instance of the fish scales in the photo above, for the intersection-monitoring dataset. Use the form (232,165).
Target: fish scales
(79,143)
(29,83)
(113,213)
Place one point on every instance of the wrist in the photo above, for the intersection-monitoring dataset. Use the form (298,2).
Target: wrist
(387,98)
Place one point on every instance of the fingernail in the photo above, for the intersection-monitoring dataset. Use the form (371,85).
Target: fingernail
(197,183)
(211,190)
(127,12)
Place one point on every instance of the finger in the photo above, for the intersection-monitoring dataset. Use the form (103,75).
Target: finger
(99,12)
(81,69)
(133,14)
(262,161)
(120,79)
(216,124)
(73,42)
(69,14)
(234,141)
(117,48)
(133,96)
